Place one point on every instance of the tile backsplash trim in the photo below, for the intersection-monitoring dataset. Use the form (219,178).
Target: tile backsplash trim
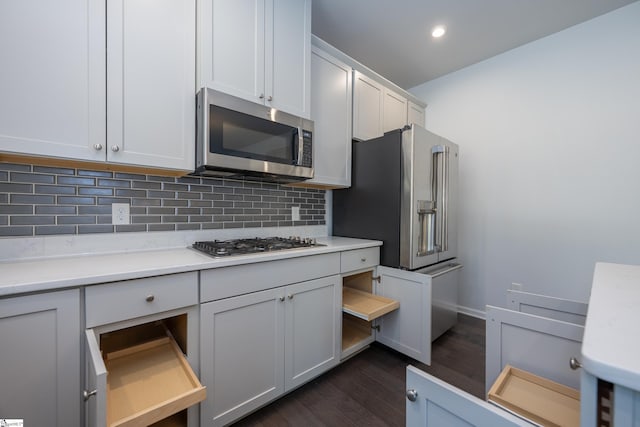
(38,200)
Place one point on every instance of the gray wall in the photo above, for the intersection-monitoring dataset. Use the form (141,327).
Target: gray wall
(36,200)
(549,137)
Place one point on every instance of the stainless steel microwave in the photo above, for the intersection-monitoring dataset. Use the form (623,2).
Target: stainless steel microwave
(236,137)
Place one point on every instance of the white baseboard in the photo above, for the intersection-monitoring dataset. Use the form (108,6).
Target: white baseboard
(480,314)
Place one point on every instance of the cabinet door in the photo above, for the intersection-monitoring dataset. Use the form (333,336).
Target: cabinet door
(415,114)
(312,329)
(242,359)
(151,83)
(53,73)
(96,382)
(436,403)
(232,47)
(331,106)
(288,69)
(394,111)
(40,359)
(367,107)
(408,329)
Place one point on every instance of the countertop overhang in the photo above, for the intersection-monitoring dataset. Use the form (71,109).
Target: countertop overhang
(46,274)
(610,347)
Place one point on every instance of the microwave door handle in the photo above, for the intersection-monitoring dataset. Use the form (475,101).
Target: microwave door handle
(300,147)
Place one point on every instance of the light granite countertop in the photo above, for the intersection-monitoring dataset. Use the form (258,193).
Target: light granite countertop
(52,273)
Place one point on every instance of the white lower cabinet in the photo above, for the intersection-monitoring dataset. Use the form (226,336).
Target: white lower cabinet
(257,346)
(40,356)
(142,367)
(390,306)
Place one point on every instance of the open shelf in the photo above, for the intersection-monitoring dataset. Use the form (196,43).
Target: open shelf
(354,331)
(365,305)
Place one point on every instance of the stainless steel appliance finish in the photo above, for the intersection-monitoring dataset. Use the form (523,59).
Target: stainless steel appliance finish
(236,137)
(224,248)
(403,192)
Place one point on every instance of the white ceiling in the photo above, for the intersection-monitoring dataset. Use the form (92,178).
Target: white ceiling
(394,37)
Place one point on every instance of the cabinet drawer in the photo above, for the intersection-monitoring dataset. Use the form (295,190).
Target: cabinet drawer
(359,258)
(113,302)
(227,282)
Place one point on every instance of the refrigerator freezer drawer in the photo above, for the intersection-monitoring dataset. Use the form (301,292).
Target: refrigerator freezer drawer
(444,296)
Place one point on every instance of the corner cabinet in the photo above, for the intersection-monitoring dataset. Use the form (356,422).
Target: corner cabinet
(257,346)
(331,105)
(259,50)
(133,106)
(40,355)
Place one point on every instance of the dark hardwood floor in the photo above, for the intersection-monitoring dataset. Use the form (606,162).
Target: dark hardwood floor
(369,389)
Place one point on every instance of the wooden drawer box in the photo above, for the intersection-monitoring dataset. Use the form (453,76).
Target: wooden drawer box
(359,259)
(141,375)
(113,302)
(535,398)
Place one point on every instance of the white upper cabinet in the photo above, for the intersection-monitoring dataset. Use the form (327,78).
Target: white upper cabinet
(151,57)
(394,111)
(368,98)
(259,50)
(60,91)
(331,103)
(52,100)
(415,114)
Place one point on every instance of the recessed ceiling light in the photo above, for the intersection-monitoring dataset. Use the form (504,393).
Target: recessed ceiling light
(438,31)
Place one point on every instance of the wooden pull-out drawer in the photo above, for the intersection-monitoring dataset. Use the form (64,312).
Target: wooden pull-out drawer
(113,302)
(365,305)
(141,384)
(535,398)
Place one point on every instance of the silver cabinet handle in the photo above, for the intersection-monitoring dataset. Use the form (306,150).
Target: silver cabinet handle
(270,98)
(261,96)
(87,394)
(574,363)
(115,148)
(412,395)
(97,147)
(363,260)
(150,298)
(281,298)
(290,296)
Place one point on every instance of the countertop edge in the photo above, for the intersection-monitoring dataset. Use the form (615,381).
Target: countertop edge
(24,277)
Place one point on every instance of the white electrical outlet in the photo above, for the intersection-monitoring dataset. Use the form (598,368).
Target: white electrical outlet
(295,213)
(120,213)
(516,286)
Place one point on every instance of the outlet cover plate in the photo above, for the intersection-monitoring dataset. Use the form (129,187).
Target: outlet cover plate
(120,213)
(295,213)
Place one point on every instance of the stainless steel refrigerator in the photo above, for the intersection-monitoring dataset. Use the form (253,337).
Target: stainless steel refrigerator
(404,193)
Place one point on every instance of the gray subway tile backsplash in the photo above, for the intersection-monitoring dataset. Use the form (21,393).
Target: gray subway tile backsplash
(42,200)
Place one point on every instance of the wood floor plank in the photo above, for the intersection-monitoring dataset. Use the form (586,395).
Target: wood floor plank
(369,389)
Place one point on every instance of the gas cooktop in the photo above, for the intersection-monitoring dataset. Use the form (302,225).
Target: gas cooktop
(223,248)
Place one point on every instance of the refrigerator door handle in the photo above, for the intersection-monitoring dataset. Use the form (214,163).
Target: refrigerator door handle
(440,186)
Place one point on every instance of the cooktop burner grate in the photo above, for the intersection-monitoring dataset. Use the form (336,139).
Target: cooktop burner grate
(222,248)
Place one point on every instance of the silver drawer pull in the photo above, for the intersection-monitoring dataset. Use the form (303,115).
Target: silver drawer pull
(150,298)
(363,260)
(87,394)
(412,395)
(281,298)
(290,296)
(574,363)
